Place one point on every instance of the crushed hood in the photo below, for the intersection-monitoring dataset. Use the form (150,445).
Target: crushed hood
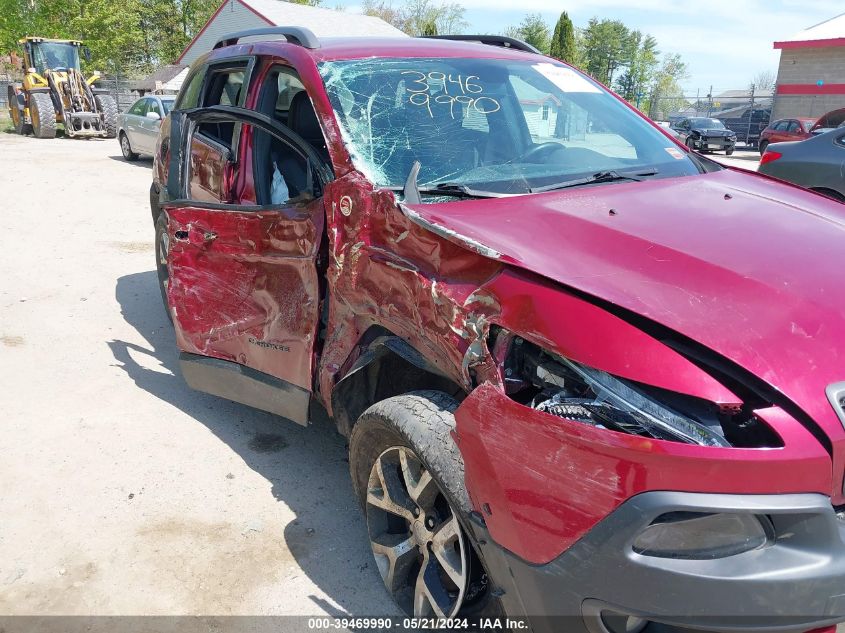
(712,131)
(751,268)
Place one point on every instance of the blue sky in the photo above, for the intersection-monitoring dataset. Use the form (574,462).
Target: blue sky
(724,42)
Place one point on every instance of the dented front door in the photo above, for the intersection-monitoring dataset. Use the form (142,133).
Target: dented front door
(243,284)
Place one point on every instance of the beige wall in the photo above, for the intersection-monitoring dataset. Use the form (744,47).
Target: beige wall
(807,66)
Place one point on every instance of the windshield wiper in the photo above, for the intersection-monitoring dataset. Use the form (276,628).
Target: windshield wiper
(412,192)
(602,176)
(460,191)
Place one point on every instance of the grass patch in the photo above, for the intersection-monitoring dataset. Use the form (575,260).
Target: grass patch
(6,125)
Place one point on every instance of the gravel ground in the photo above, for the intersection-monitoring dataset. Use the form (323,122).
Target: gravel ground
(123,491)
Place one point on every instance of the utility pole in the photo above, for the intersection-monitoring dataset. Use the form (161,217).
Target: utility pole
(750,116)
(710,102)
(697,100)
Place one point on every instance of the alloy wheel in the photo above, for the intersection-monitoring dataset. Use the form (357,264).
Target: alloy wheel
(415,536)
(124,146)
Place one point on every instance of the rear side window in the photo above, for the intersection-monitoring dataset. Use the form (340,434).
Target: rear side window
(190,95)
(223,87)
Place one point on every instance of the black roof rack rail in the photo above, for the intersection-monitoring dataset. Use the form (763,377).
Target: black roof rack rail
(491,40)
(293,34)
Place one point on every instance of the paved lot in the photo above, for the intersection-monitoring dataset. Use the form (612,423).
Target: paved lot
(121,490)
(744,158)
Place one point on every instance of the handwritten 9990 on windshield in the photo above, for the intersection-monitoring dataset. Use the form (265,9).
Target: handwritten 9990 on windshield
(465,91)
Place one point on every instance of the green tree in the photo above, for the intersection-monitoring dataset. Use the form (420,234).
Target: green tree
(532,30)
(129,36)
(430,29)
(604,48)
(419,17)
(640,56)
(665,94)
(562,46)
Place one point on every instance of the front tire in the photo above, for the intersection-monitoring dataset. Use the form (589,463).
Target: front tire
(43,115)
(409,476)
(126,148)
(162,248)
(107,105)
(13,92)
(729,151)
(17,121)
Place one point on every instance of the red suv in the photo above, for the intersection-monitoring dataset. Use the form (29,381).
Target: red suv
(784,130)
(584,373)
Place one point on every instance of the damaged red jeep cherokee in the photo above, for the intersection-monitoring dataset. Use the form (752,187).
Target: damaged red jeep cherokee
(583,372)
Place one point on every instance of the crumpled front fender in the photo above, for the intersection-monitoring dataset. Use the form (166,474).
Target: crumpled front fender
(541,482)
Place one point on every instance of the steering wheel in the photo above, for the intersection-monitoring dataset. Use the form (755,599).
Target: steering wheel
(541,150)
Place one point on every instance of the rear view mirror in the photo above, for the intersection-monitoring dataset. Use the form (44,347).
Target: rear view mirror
(86,52)
(155,116)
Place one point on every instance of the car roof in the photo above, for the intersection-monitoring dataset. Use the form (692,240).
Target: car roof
(361,47)
(347,48)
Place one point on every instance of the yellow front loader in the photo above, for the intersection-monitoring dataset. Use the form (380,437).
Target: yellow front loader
(54,91)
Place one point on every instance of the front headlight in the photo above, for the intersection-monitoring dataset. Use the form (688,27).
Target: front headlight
(615,404)
(567,389)
(701,536)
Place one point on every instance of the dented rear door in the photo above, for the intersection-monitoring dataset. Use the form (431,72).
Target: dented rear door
(243,282)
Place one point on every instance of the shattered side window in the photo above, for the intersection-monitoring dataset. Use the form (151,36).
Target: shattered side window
(502,125)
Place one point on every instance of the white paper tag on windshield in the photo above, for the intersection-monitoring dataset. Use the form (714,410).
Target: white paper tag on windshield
(565,78)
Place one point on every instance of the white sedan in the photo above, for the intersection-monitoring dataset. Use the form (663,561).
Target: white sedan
(137,128)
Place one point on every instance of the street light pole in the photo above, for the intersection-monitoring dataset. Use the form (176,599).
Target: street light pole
(750,116)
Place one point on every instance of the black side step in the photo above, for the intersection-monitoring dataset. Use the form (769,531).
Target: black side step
(245,385)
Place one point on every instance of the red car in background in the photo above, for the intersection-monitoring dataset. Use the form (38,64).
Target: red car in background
(829,121)
(784,130)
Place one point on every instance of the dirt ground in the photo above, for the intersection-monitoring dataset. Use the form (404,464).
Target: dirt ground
(121,490)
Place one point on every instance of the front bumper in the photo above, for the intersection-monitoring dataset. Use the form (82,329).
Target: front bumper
(714,143)
(84,124)
(796,583)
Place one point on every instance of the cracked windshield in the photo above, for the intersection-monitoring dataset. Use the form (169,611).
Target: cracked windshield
(490,127)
